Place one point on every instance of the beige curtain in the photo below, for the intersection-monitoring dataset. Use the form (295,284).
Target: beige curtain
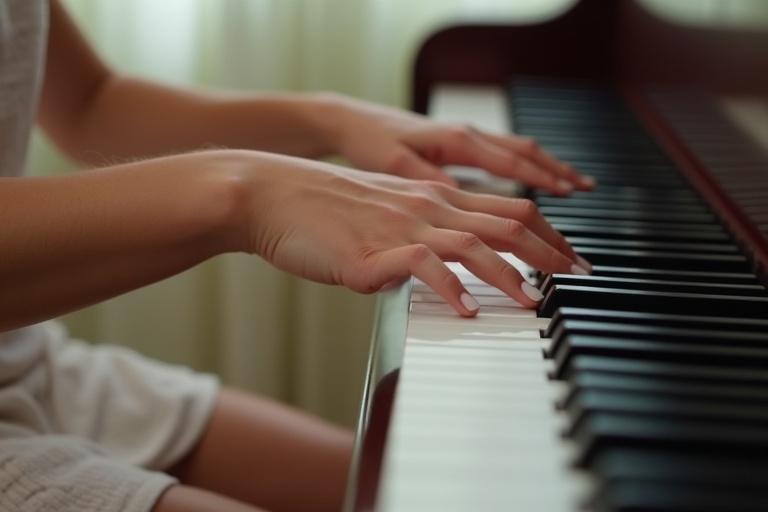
(256,327)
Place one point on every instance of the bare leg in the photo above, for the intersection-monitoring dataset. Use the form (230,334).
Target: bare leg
(181,498)
(263,453)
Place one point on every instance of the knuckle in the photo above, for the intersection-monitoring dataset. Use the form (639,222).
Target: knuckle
(421,203)
(419,254)
(469,242)
(528,210)
(451,280)
(439,189)
(393,216)
(508,273)
(514,229)
(397,161)
(556,261)
(528,146)
(460,133)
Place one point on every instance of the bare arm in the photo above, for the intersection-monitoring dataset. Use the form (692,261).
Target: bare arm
(98,115)
(71,241)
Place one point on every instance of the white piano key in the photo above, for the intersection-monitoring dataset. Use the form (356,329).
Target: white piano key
(478,290)
(484,300)
(443,309)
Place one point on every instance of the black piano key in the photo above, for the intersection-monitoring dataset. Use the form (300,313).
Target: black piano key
(588,140)
(697,336)
(551,119)
(670,260)
(678,275)
(602,203)
(651,350)
(624,463)
(625,430)
(658,216)
(652,245)
(580,381)
(609,232)
(651,496)
(636,224)
(655,319)
(655,172)
(712,373)
(568,103)
(638,178)
(585,147)
(608,128)
(581,155)
(627,193)
(628,283)
(588,403)
(653,302)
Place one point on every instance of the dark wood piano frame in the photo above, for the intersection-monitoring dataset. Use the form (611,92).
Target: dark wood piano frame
(617,41)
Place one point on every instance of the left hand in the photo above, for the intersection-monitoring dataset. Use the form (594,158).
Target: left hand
(396,142)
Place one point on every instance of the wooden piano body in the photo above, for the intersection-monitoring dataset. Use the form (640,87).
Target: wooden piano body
(618,42)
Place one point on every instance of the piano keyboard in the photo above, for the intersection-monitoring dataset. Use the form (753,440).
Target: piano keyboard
(641,387)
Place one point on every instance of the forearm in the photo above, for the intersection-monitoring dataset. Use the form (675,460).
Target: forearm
(127,117)
(67,242)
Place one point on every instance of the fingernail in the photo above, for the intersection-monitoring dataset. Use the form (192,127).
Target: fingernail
(584,264)
(588,181)
(564,186)
(531,291)
(575,269)
(469,302)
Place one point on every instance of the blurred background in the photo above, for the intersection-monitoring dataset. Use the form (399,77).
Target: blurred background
(257,328)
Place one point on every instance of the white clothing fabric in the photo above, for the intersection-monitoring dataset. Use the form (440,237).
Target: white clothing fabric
(89,429)
(23,25)
(82,428)
(70,474)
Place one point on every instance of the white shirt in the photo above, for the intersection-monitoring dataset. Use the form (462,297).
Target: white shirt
(23,29)
(23,37)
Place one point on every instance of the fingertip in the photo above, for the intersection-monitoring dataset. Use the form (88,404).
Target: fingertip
(563,187)
(584,264)
(578,270)
(470,304)
(587,182)
(532,293)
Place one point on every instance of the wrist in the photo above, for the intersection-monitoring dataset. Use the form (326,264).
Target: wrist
(328,116)
(228,180)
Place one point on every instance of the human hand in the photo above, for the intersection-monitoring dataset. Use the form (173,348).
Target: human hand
(364,230)
(396,142)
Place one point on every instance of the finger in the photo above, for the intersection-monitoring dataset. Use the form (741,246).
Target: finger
(478,151)
(522,210)
(512,236)
(408,164)
(529,149)
(482,261)
(421,262)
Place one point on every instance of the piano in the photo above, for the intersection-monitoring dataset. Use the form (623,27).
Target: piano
(643,386)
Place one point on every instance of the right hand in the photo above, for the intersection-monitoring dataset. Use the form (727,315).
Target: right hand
(364,231)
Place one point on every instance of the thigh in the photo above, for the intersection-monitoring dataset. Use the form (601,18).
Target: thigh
(263,453)
(181,498)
